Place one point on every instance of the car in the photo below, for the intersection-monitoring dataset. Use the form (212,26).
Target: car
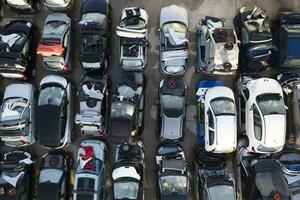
(253,29)
(286,29)
(290,82)
(90,175)
(173,36)
(53,180)
(213,179)
(16,46)
(216,123)
(217,50)
(55,46)
(23,6)
(55,102)
(261,114)
(59,5)
(128,172)
(133,33)
(93,104)
(289,160)
(16,175)
(94,34)
(127,108)
(171,111)
(17,118)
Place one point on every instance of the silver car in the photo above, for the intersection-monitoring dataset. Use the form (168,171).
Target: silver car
(173,27)
(171,109)
(17,120)
(59,5)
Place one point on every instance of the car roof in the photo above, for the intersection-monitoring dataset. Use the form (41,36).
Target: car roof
(119,129)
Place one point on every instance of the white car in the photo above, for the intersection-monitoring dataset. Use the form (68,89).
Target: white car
(216,117)
(262,114)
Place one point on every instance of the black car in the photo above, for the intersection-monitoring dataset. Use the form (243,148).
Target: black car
(254,31)
(16,47)
(23,6)
(16,173)
(172,173)
(128,172)
(287,39)
(94,34)
(214,181)
(54,177)
(127,109)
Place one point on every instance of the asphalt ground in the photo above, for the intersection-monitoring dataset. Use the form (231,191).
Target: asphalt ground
(197,9)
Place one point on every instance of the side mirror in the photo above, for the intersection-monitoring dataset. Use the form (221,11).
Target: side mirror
(251,108)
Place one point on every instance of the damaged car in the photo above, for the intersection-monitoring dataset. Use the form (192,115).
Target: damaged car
(55,102)
(133,34)
(216,123)
(253,29)
(171,109)
(128,172)
(217,47)
(173,182)
(16,175)
(262,114)
(94,34)
(16,46)
(173,36)
(93,100)
(127,109)
(17,119)
(90,174)
(23,6)
(54,176)
(55,46)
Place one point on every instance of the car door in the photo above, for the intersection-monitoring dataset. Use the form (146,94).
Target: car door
(209,130)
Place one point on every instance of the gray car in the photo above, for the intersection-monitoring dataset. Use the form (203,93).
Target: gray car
(17,120)
(59,5)
(171,109)
(173,28)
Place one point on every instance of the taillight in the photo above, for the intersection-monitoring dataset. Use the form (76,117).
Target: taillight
(101,131)
(65,66)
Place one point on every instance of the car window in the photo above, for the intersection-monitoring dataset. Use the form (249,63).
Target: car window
(18,3)
(221,192)
(66,40)
(85,184)
(223,106)
(51,95)
(257,123)
(125,190)
(271,104)
(61,2)
(172,105)
(200,112)
(211,137)
(54,27)
(175,26)
(211,122)
(50,175)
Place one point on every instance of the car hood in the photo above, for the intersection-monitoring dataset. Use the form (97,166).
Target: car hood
(226,130)
(173,13)
(274,130)
(172,127)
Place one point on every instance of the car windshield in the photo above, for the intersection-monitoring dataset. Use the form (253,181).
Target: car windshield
(139,25)
(271,104)
(221,192)
(50,175)
(126,190)
(222,106)
(54,27)
(175,26)
(172,105)
(54,64)
(174,68)
(92,17)
(174,184)
(57,2)
(18,3)
(122,110)
(132,62)
(51,95)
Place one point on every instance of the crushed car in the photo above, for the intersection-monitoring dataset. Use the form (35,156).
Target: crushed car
(214,180)
(55,102)
(93,104)
(217,50)
(127,108)
(128,172)
(53,180)
(286,30)
(262,114)
(133,34)
(173,182)
(16,46)
(90,174)
(59,5)
(253,28)
(18,115)
(173,36)
(171,111)
(94,34)
(55,46)
(16,175)
(216,123)
(23,6)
